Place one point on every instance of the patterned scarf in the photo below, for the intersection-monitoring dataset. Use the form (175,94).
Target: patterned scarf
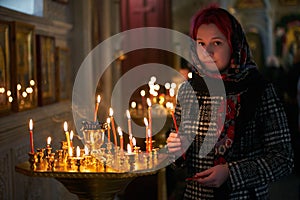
(241,80)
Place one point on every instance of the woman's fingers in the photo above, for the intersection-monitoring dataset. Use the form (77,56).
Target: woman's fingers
(173,143)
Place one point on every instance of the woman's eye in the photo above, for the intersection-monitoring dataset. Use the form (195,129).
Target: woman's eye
(217,43)
(200,43)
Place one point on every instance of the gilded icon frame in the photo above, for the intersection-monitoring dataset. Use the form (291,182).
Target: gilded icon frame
(46,69)
(5,85)
(23,66)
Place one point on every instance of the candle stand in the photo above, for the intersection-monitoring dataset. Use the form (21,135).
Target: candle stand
(100,174)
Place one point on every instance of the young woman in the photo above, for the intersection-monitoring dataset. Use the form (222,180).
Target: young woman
(253,146)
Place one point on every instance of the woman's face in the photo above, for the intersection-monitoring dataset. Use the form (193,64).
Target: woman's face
(213,49)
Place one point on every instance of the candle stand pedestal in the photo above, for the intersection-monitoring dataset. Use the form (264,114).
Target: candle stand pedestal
(88,185)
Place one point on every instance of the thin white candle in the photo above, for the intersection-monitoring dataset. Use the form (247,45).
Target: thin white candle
(129,149)
(146,124)
(48,141)
(108,129)
(78,152)
(133,141)
(68,138)
(111,113)
(121,138)
(86,150)
(97,107)
(129,128)
(71,138)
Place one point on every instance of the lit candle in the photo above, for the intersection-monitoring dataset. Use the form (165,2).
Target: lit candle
(129,128)
(97,107)
(31,136)
(19,87)
(121,138)
(167,86)
(133,141)
(71,138)
(133,105)
(78,152)
(150,123)
(136,149)
(171,107)
(68,138)
(143,93)
(173,117)
(86,150)
(48,141)
(146,124)
(129,149)
(149,141)
(108,128)
(70,152)
(111,112)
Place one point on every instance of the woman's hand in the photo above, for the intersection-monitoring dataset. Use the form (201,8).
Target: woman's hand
(212,177)
(174,144)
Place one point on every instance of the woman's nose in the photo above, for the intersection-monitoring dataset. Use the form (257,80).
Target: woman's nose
(209,50)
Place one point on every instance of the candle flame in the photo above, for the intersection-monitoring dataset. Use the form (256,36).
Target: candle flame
(129,150)
(65,126)
(98,99)
(173,85)
(71,135)
(108,120)
(30,125)
(86,150)
(128,114)
(145,121)
(133,141)
(167,86)
(111,112)
(78,151)
(172,92)
(133,104)
(49,140)
(19,87)
(32,82)
(120,131)
(148,102)
(143,93)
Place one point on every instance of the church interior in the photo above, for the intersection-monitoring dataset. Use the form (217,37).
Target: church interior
(47,48)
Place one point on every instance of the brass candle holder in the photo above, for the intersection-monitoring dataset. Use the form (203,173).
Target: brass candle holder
(131,161)
(78,162)
(99,174)
(32,160)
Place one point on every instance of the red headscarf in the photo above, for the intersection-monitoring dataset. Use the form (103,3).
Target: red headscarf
(241,58)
